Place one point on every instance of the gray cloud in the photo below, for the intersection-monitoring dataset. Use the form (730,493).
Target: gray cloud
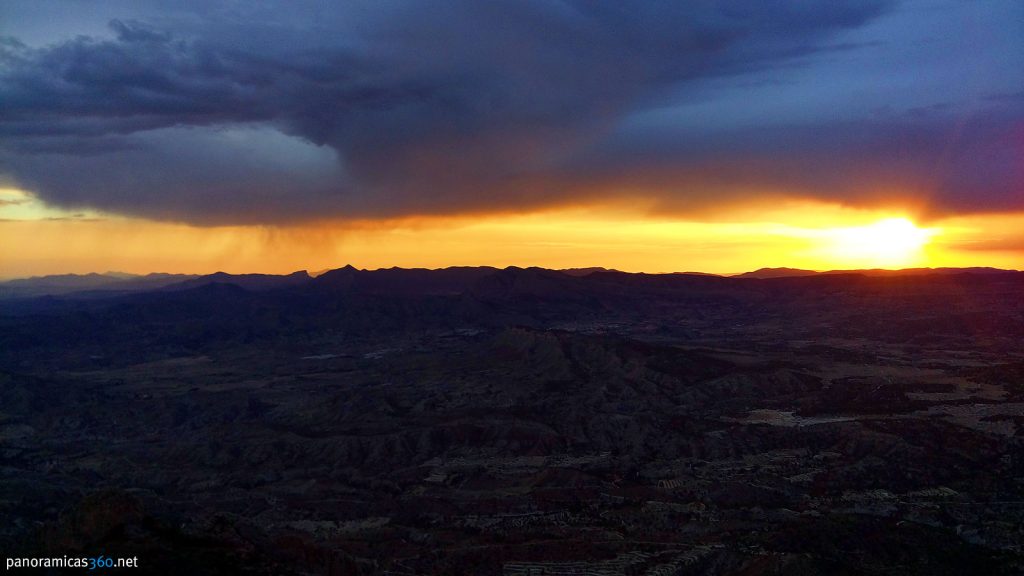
(222,114)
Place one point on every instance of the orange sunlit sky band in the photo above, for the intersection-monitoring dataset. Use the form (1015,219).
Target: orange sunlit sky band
(36,239)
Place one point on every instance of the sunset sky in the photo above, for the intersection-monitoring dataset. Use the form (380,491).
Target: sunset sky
(717,136)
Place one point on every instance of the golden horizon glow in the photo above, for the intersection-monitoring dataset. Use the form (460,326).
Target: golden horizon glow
(36,240)
(890,242)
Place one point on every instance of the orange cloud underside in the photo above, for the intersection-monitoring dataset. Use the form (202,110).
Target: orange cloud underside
(797,234)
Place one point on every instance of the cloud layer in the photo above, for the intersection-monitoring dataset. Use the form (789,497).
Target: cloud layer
(227,113)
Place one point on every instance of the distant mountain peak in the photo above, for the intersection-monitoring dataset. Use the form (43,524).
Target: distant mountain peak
(246,281)
(776,273)
(586,271)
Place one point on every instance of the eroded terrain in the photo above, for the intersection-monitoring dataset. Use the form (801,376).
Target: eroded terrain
(523,422)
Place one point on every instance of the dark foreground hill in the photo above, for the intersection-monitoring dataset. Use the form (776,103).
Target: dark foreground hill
(521,421)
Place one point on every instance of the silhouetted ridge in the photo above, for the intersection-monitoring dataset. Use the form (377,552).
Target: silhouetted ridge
(396,281)
(776,273)
(536,283)
(110,282)
(585,271)
(255,282)
(339,278)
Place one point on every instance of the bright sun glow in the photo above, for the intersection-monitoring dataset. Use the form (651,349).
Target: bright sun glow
(889,242)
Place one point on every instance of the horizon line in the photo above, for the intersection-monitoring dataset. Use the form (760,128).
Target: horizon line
(320,272)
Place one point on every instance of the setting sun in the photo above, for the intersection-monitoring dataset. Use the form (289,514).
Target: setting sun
(888,242)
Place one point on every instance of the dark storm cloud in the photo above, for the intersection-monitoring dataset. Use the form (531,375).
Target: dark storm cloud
(935,161)
(219,114)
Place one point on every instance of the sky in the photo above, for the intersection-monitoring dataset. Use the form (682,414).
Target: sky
(716,136)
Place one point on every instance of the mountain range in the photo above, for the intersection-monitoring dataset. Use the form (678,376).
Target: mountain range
(407,280)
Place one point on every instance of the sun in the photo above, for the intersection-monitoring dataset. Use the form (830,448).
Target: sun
(886,243)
